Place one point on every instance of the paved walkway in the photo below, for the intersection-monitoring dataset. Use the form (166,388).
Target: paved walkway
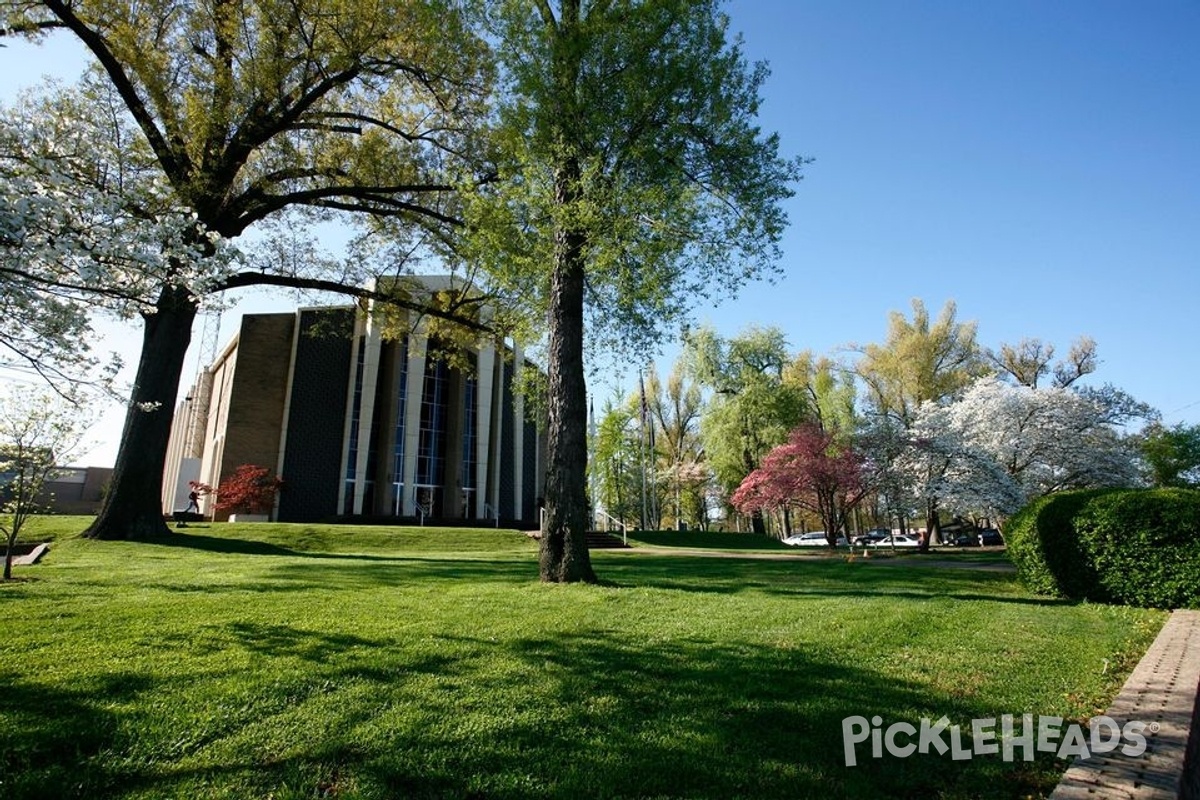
(1161,692)
(951,563)
(879,559)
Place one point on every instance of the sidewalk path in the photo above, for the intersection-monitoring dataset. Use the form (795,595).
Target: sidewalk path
(1161,692)
(880,560)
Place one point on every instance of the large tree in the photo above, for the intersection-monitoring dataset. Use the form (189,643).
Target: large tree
(221,116)
(673,411)
(753,404)
(1031,360)
(616,463)
(635,185)
(1171,454)
(46,330)
(923,360)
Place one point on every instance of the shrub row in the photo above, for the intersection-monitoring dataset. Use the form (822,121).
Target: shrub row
(1131,546)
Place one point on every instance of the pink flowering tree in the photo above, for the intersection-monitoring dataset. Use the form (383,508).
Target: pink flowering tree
(815,471)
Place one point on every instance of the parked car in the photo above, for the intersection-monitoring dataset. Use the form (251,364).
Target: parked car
(871,536)
(813,539)
(990,537)
(899,540)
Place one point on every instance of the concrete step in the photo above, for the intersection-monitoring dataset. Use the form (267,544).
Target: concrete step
(602,540)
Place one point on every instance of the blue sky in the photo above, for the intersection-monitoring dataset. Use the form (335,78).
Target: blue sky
(1036,162)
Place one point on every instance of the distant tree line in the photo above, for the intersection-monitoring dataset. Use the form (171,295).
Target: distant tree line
(925,428)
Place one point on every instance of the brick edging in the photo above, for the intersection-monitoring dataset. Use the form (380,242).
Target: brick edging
(1161,692)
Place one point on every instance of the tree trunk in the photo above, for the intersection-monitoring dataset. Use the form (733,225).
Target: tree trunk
(564,555)
(133,506)
(933,526)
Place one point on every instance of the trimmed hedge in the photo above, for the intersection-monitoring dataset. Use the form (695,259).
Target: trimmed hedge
(1042,543)
(1130,546)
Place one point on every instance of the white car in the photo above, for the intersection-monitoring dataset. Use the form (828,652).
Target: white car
(899,540)
(813,539)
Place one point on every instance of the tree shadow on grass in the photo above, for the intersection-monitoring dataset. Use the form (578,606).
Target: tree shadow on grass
(813,579)
(225,545)
(672,573)
(56,742)
(586,713)
(298,571)
(250,547)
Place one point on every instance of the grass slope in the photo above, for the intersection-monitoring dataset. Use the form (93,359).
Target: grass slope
(308,661)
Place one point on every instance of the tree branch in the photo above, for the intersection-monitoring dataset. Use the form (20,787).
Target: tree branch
(176,164)
(34,26)
(243,279)
(374,200)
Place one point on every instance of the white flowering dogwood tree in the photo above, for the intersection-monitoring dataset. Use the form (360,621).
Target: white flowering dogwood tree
(86,223)
(998,446)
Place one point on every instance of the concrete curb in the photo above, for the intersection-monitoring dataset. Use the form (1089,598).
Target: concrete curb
(1161,692)
(32,557)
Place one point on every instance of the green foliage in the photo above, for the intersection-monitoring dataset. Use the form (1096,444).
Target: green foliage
(634,184)
(663,444)
(1145,546)
(710,540)
(628,129)
(829,388)
(266,114)
(681,475)
(1172,455)
(1135,547)
(616,459)
(753,404)
(306,661)
(922,360)
(1043,545)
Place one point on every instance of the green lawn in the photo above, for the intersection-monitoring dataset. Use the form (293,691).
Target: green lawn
(290,661)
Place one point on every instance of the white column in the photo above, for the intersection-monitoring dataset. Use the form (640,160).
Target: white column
(518,434)
(372,342)
(415,391)
(483,425)
(497,449)
(347,422)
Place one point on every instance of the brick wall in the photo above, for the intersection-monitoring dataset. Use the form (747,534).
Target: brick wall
(257,394)
(1190,790)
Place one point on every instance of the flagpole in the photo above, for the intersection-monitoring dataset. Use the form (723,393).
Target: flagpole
(593,501)
(642,446)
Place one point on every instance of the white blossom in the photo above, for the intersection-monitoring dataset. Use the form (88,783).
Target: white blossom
(999,446)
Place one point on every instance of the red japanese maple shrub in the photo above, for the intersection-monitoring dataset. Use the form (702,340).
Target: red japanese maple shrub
(249,490)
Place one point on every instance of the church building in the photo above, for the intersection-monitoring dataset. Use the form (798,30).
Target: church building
(360,424)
